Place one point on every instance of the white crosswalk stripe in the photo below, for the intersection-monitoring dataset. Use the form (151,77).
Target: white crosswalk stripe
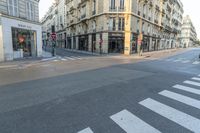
(87,130)
(191,83)
(181,98)
(196,63)
(188,89)
(76,57)
(186,61)
(195,78)
(132,124)
(183,119)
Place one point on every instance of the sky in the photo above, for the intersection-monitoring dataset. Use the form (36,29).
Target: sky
(44,6)
(191,7)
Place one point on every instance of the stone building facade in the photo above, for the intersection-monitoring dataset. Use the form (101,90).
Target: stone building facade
(114,26)
(188,33)
(20,30)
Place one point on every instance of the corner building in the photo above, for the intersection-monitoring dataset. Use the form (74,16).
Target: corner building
(20,30)
(113,26)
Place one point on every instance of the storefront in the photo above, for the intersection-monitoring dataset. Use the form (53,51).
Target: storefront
(83,43)
(19,38)
(116,43)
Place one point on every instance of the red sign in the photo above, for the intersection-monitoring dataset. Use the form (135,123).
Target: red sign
(53,36)
(139,42)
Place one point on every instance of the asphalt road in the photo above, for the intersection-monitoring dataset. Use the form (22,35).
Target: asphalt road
(103,95)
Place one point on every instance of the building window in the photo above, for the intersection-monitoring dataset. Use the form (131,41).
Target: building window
(30,10)
(112,24)
(94,7)
(121,24)
(83,11)
(112,4)
(13,7)
(121,4)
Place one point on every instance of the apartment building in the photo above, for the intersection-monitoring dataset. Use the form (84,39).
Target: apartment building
(188,33)
(119,26)
(20,30)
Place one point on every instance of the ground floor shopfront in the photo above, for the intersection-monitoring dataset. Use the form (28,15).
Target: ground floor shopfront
(19,38)
(113,42)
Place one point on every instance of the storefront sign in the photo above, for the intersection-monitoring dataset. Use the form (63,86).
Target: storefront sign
(24,26)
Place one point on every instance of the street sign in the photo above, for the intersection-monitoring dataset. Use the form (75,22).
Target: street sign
(53,36)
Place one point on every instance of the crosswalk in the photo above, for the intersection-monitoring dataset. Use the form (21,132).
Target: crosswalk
(65,58)
(131,123)
(183,61)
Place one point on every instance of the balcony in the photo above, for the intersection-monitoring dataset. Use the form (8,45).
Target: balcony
(112,28)
(121,9)
(93,12)
(144,15)
(138,13)
(83,16)
(121,28)
(151,4)
(157,8)
(113,9)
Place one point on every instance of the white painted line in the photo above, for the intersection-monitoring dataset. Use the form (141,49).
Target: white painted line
(181,98)
(87,130)
(132,124)
(76,57)
(177,60)
(196,63)
(172,114)
(47,59)
(197,79)
(186,61)
(188,89)
(55,60)
(64,59)
(70,58)
(192,83)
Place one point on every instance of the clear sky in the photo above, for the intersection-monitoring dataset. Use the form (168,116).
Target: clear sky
(44,6)
(191,7)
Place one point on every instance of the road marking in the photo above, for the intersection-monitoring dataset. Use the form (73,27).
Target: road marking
(196,63)
(194,78)
(177,60)
(55,60)
(181,98)
(132,124)
(172,114)
(87,130)
(192,83)
(76,57)
(70,58)
(47,59)
(186,61)
(188,89)
(64,59)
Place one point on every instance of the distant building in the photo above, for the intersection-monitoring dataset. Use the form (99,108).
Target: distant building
(116,26)
(188,33)
(20,30)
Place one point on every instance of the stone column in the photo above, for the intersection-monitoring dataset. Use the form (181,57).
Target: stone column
(1,43)
(127,41)
(90,42)
(105,43)
(77,41)
(72,42)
